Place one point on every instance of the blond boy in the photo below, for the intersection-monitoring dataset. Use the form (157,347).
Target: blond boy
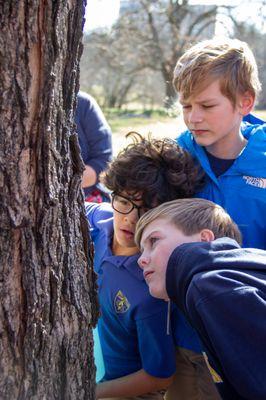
(191,255)
(217,83)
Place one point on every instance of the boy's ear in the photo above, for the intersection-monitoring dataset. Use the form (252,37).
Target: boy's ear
(206,235)
(246,103)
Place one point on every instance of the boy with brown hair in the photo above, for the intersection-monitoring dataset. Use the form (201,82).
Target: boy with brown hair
(138,353)
(217,82)
(191,255)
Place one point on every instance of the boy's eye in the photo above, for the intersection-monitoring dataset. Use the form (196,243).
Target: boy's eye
(207,106)
(186,107)
(122,201)
(153,240)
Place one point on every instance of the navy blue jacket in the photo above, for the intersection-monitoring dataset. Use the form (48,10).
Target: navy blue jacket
(221,289)
(94,134)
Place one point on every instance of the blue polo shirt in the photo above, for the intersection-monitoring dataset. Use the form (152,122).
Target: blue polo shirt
(133,324)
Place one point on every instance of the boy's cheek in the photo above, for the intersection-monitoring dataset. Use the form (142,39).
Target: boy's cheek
(159,292)
(164,258)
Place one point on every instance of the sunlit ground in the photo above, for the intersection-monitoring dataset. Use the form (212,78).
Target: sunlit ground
(157,126)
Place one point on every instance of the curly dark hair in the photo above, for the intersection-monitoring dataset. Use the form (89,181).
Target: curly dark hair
(157,168)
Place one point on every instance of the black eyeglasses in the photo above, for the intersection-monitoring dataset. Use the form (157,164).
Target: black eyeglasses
(124,205)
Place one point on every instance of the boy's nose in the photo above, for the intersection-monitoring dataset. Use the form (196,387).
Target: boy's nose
(132,217)
(143,261)
(195,116)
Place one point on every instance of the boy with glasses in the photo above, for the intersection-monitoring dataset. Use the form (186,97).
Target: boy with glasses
(124,205)
(138,353)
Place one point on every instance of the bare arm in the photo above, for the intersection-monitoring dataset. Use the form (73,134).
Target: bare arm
(134,384)
(89,177)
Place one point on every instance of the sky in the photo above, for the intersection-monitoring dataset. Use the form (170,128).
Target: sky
(102,13)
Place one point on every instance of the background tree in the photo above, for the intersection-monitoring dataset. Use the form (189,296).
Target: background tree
(47,291)
(147,40)
(255,36)
(134,61)
(110,70)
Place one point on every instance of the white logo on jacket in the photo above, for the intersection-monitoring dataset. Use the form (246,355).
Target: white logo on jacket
(258,182)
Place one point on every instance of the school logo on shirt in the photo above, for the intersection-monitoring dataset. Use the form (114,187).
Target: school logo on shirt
(216,377)
(121,303)
(258,182)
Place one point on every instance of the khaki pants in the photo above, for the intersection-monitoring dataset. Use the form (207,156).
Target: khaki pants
(192,380)
(148,396)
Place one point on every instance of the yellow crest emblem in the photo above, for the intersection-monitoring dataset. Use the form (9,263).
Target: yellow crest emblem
(121,303)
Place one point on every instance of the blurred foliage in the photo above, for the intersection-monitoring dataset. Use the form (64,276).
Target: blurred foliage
(119,119)
(133,62)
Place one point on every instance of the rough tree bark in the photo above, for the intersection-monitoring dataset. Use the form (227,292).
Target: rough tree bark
(47,292)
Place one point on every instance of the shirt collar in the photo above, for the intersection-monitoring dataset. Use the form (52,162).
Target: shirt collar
(131,265)
(127,262)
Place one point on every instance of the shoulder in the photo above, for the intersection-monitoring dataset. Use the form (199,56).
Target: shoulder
(97,213)
(242,269)
(187,142)
(85,102)
(89,110)
(254,131)
(254,155)
(83,97)
(184,139)
(252,119)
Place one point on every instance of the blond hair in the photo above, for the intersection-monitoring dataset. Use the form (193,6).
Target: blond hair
(191,216)
(229,60)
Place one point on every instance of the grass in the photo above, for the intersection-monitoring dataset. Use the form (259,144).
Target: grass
(145,113)
(261,114)
(120,120)
(134,118)
(160,124)
(118,124)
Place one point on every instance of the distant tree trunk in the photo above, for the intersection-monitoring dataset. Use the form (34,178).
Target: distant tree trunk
(170,93)
(47,285)
(167,69)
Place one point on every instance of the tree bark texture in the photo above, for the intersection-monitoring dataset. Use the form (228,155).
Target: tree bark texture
(47,291)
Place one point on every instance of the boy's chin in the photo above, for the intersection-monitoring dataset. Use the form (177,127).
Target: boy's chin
(159,294)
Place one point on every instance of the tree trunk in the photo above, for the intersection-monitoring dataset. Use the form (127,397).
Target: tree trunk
(47,291)
(167,69)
